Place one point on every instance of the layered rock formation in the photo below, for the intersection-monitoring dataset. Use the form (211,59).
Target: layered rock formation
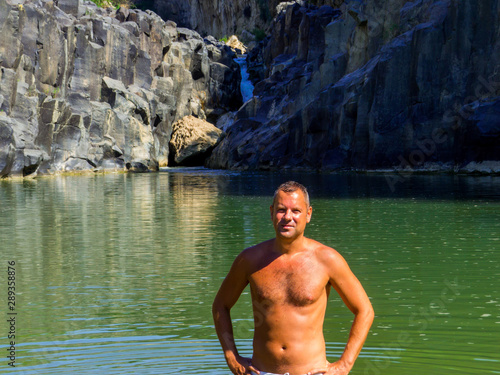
(83,88)
(222,18)
(373,85)
(349,85)
(219,18)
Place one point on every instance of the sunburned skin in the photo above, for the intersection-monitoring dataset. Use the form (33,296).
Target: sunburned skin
(283,299)
(290,279)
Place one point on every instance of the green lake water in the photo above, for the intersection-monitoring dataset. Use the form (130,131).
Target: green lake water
(115,274)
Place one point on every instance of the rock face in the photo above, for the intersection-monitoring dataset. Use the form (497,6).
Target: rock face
(192,140)
(222,18)
(372,85)
(359,84)
(83,88)
(219,18)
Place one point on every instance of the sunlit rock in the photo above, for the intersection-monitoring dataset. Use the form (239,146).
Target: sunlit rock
(192,139)
(86,88)
(236,45)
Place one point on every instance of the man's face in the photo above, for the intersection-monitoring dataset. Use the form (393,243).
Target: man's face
(290,214)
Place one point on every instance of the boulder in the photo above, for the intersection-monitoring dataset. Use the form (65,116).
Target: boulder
(192,139)
(236,45)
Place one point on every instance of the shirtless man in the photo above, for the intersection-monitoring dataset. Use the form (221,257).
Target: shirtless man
(290,278)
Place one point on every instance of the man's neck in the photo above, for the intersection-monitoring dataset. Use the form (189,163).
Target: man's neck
(290,246)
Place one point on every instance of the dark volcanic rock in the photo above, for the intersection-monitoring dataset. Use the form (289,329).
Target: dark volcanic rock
(220,18)
(372,85)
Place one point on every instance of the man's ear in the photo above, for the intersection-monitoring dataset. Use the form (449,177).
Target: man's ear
(271,208)
(309,214)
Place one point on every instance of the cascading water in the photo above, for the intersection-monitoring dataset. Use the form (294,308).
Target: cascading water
(246,86)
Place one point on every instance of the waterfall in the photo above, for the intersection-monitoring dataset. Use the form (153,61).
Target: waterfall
(246,86)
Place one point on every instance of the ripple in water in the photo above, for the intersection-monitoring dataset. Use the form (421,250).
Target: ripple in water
(123,355)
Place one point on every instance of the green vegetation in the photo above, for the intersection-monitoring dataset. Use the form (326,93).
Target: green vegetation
(259,34)
(32,91)
(223,39)
(114,3)
(54,91)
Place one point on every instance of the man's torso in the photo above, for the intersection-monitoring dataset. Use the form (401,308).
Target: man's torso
(289,296)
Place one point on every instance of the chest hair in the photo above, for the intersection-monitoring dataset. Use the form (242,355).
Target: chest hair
(298,283)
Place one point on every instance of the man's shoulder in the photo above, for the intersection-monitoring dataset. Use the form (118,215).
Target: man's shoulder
(251,257)
(324,253)
(257,250)
(320,248)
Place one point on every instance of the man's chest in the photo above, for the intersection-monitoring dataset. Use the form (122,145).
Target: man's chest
(298,284)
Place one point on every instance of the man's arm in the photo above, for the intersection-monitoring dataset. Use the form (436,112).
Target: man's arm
(229,292)
(354,296)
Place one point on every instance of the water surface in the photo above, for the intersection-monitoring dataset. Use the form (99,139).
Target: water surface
(116,273)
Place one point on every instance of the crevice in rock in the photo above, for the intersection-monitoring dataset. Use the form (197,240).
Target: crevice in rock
(30,169)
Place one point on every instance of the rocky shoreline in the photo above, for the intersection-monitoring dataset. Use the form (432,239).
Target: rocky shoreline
(364,86)
(84,88)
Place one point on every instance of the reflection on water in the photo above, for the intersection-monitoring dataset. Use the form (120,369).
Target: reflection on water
(124,355)
(116,273)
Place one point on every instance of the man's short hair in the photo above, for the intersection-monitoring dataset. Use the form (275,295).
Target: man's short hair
(290,187)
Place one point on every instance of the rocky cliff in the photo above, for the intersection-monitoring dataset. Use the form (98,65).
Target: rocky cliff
(222,18)
(373,85)
(352,85)
(84,88)
(219,18)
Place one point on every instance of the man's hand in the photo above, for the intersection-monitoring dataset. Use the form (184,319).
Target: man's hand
(242,366)
(335,368)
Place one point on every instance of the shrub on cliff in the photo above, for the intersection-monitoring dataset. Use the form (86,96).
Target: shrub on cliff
(114,3)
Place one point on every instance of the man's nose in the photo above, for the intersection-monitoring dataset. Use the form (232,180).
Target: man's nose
(288,215)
